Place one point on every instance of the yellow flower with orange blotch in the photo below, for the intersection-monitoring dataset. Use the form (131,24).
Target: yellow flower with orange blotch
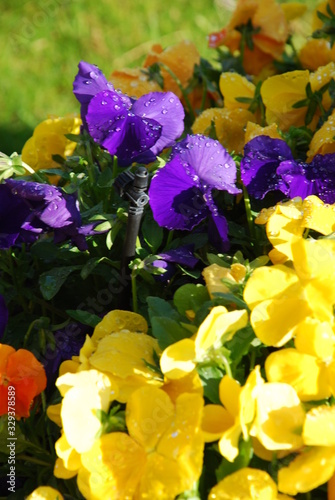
(161,456)
(280,297)
(49,139)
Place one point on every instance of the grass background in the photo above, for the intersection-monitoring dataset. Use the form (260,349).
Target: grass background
(42,41)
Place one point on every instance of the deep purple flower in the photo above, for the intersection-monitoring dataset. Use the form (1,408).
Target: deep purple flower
(262,157)
(181,192)
(28,209)
(182,255)
(133,130)
(3,316)
(304,179)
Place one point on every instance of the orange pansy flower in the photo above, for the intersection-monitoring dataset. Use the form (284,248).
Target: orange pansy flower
(22,378)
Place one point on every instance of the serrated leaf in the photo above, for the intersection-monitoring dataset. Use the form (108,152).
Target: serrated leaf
(51,281)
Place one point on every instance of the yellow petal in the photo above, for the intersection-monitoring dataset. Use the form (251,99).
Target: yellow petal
(254,130)
(305,373)
(229,392)
(292,10)
(70,458)
(177,360)
(185,425)
(69,365)
(228,444)
(213,276)
(53,412)
(112,468)
(89,391)
(189,383)
(269,282)
(282,231)
(62,472)
(247,399)
(218,327)
(118,320)
(315,338)
(274,327)
(319,427)
(246,483)
(232,86)
(279,417)
(45,493)
(318,216)
(149,413)
(313,258)
(203,123)
(215,421)
(323,140)
(307,471)
(230,127)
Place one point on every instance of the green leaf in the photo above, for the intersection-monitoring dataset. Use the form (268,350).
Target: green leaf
(242,460)
(84,317)
(51,281)
(161,308)
(211,377)
(190,297)
(90,265)
(167,331)
(240,343)
(106,179)
(152,233)
(215,259)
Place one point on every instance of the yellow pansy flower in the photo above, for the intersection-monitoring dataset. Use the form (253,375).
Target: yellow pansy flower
(281,297)
(49,139)
(218,327)
(45,493)
(254,130)
(233,86)
(315,53)
(281,92)
(319,426)
(235,417)
(160,458)
(214,274)
(287,221)
(246,483)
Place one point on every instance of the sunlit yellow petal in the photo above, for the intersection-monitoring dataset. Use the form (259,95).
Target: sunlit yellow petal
(323,140)
(228,444)
(112,468)
(230,128)
(118,320)
(315,338)
(229,392)
(215,421)
(279,417)
(273,327)
(149,413)
(318,216)
(292,10)
(246,483)
(213,276)
(307,471)
(247,397)
(178,359)
(69,365)
(189,383)
(319,426)
(53,412)
(70,458)
(270,282)
(45,493)
(232,86)
(305,373)
(282,231)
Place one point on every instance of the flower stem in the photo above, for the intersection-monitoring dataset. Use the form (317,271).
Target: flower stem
(178,82)
(250,219)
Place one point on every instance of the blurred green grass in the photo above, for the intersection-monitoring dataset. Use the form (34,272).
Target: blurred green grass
(42,41)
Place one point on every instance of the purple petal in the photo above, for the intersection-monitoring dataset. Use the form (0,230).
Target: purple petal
(33,191)
(3,316)
(87,83)
(175,196)
(182,255)
(213,164)
(294,176)
(13,213)
(218,231)
(262,157)
(166,109)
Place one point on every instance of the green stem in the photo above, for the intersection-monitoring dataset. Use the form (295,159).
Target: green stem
(33,460)
(250,219)
(134,289)
(169,238)
(226,365)
(44,406)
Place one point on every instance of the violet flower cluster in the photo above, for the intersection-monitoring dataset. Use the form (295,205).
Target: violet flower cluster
(132,130)
(29,209)
(268,165)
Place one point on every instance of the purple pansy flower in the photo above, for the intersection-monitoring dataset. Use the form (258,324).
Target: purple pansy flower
(304,179)
(3,316)
(133,130)
(182,255)
(181,192)
(262,157)
(28,209)
(268,165)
